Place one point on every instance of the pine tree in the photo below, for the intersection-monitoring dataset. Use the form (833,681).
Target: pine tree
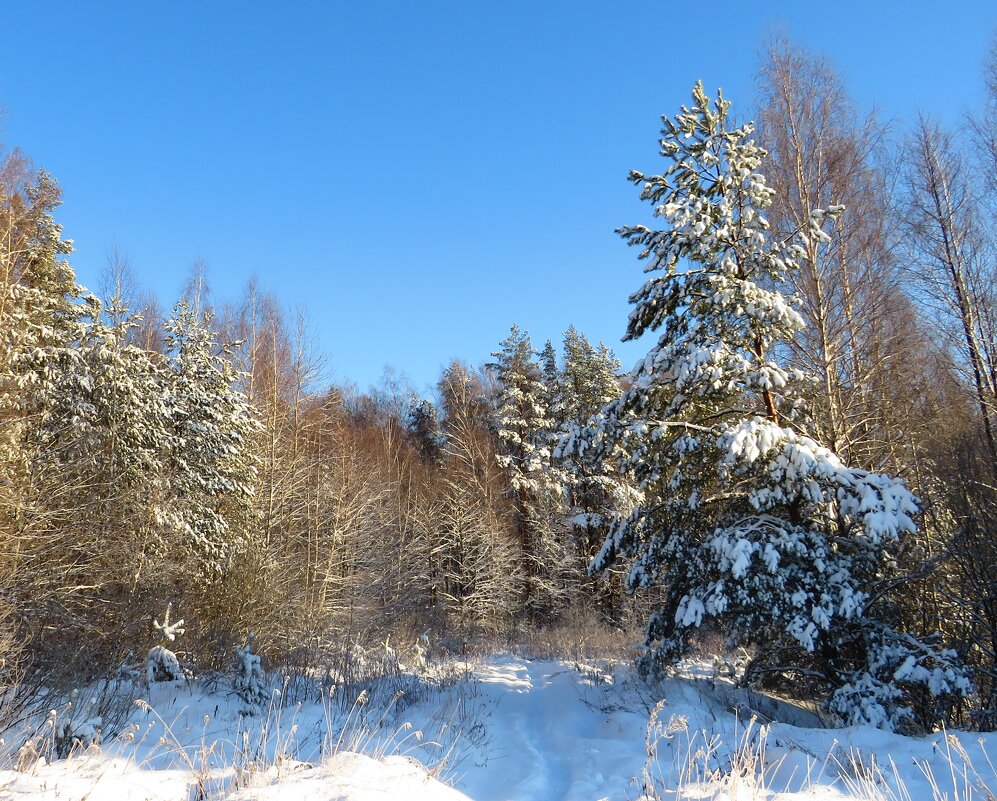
(41,319)
(750,525)
(108,412)
(525,433)
(41,326)
(590,376)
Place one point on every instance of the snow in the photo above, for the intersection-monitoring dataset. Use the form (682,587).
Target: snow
(355,777)
(95,777)
(530,731)
(343,777)
(549,743)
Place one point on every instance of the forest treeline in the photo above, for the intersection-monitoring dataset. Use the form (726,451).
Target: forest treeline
(191,457)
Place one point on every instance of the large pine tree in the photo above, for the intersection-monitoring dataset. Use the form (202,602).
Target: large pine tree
(749,525)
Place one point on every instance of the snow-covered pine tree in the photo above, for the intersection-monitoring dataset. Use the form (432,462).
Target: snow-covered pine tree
(211,424)
(749,525)
(41,325)
(525,433)
(589,377)
(107,414)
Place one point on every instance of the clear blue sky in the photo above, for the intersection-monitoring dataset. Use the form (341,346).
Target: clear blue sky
(419,174)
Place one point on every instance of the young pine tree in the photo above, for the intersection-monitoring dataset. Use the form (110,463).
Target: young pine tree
(749,525)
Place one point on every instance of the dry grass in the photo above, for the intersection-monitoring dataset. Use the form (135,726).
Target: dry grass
(700,765)
(359,710)
(866,777)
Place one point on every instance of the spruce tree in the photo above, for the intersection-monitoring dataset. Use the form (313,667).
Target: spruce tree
(750,525)
(423,426)
(525,432)
(554,388)
(211,424)
(599,487)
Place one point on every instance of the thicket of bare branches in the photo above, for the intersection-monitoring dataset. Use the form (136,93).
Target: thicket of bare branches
(900,307)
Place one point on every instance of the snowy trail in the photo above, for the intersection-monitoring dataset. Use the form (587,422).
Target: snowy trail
(547,742)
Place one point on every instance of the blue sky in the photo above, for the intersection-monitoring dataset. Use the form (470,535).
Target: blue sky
(419,175)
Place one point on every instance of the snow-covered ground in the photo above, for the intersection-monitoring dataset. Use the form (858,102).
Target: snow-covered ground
(513,729)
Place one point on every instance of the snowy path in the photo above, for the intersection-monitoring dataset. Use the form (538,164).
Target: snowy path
(546,742)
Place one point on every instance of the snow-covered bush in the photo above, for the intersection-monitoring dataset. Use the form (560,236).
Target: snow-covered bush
(162,665)
(421,654)
(357,664)
(390,661)
(86,716)
(250,680)
(70,736)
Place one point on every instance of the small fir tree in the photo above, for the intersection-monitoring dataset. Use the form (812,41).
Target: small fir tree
(249,682)
(162,663)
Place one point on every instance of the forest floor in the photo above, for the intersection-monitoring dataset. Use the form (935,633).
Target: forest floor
(503,728)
